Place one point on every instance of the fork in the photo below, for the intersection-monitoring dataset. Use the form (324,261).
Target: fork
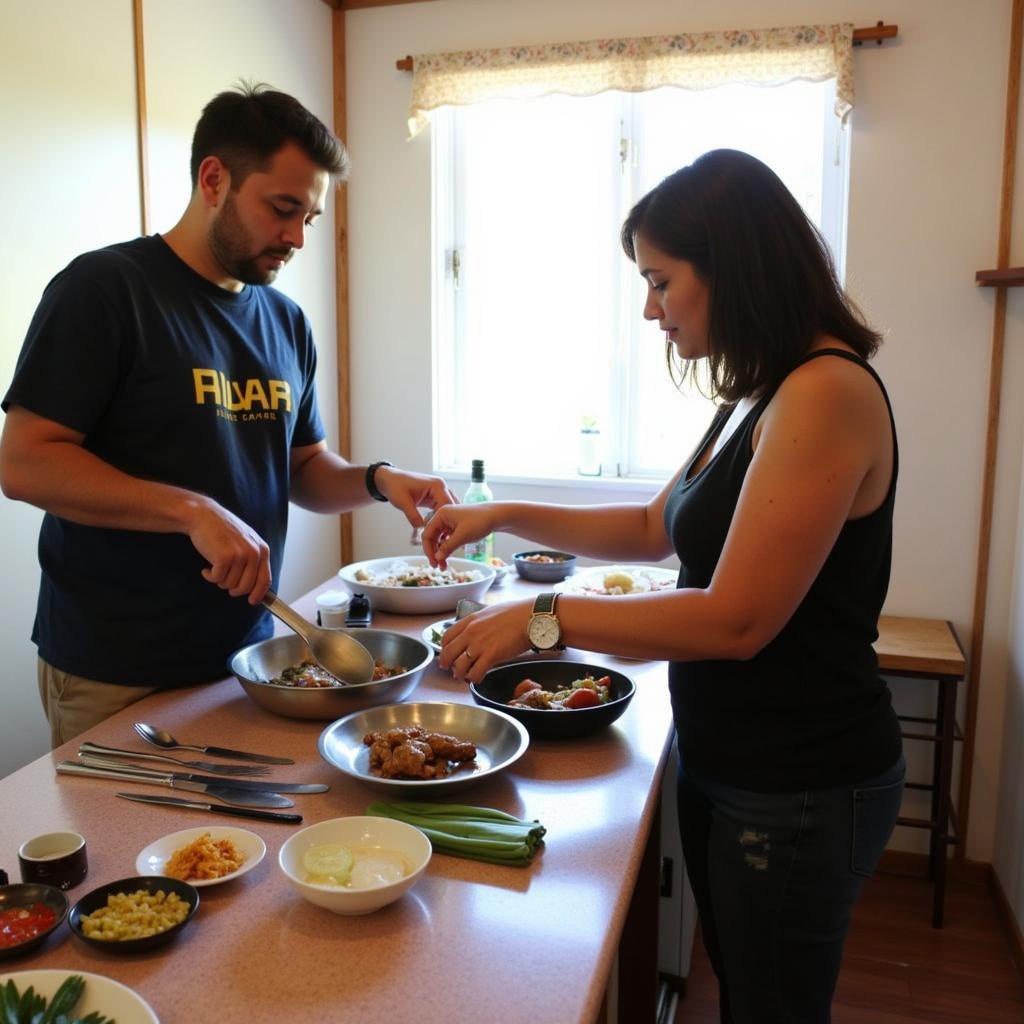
(203,766)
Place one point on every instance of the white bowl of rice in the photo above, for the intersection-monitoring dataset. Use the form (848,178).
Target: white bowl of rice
(410,586)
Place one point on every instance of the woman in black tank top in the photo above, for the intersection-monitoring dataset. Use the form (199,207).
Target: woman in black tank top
(791,767)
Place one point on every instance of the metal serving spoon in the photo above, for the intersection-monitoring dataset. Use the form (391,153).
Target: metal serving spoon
(336,652)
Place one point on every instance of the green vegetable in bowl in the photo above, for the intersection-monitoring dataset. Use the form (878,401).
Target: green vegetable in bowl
(31,1008)
(328,864)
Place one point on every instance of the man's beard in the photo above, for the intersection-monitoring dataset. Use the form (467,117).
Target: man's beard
(231,247)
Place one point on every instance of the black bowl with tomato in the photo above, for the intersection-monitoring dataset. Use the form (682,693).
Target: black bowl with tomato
(579,716)
(29,912)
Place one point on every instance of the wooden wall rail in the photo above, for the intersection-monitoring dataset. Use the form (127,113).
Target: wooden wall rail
(995,385)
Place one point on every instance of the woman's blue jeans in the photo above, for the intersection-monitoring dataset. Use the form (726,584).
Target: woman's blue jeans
(775,877)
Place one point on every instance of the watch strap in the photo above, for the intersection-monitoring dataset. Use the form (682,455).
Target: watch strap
(544,604)
(371,480)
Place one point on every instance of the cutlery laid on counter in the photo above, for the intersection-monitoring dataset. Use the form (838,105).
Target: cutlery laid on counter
(196,805)
(162,738)
(217,788)
(95,756)
(205,766)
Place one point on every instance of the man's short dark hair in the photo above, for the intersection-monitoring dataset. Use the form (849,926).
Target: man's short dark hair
(244,127)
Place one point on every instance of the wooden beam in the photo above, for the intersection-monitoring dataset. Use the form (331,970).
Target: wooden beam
(995,384)
(860,36)
(140,115)
(342,341)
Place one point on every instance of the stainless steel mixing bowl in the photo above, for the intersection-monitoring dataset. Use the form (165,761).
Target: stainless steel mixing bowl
(254,665)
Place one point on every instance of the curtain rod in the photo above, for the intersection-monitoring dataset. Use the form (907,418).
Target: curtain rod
(877,34)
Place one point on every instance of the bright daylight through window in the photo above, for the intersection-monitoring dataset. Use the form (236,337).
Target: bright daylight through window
(543,364)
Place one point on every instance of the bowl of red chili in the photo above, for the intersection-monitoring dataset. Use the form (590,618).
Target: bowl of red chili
(29,912)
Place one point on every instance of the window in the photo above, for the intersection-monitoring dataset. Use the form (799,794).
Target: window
(537,328)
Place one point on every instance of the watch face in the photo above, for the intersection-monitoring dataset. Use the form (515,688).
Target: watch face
(544,631)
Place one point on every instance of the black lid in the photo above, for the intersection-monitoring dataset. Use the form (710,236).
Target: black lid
(478,470)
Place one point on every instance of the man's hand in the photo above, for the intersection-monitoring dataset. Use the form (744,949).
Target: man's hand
(239,557)
(409,492)
(44,463)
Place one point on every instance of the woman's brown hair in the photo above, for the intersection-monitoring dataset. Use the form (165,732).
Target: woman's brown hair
(772,285)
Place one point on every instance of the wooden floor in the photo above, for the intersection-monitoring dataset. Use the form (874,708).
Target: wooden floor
(897,969)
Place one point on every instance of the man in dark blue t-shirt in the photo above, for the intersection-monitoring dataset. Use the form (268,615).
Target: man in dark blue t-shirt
(163,414)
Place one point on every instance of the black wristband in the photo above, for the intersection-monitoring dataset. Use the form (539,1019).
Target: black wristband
(371,482)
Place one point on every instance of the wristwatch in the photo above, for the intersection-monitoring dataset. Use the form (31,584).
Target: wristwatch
(544,630)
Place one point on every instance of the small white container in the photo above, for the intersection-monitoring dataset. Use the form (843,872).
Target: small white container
(331,607)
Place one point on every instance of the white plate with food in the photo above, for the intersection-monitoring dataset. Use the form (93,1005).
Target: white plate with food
(607,580)
(100,995)
(225,854)
(410,586)
(496,738)
(433,633)
(502,570)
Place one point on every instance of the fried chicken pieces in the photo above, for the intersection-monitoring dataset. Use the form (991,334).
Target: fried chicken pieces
(410,752)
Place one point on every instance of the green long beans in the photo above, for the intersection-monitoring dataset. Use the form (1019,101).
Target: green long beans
(480,833)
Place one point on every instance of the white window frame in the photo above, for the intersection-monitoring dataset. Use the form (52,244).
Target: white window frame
(447,276)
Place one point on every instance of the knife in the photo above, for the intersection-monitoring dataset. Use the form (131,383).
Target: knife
(220,791)
(111,760)
(240,812)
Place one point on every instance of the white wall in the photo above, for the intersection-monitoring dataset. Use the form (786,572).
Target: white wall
(67,150)
(68,183)
(925,176)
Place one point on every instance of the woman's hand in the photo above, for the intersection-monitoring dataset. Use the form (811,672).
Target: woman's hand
(455,525)
(475,644)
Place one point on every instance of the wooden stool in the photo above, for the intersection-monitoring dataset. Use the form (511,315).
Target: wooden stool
(929,649)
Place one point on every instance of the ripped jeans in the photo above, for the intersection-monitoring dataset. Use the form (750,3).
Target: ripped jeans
(775,877)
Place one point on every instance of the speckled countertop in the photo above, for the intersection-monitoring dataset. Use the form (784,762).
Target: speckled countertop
(471,942)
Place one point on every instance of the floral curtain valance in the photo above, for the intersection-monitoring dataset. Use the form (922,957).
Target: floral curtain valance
(700,60)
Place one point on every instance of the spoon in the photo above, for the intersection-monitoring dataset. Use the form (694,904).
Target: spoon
(162,738)
(345,658)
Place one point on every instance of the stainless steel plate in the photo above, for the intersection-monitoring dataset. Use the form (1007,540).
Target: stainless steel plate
(500,741)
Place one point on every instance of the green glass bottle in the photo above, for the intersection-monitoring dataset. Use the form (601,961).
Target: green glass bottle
(479,550)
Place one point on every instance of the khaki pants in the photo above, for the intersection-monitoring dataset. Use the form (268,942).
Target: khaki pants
(73,704)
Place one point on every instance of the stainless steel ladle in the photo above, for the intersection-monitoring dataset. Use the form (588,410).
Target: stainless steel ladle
(334,651)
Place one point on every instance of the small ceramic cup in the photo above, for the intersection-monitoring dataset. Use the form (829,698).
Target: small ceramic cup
(56,858)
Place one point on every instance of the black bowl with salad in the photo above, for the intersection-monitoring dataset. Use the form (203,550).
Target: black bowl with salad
(548,696)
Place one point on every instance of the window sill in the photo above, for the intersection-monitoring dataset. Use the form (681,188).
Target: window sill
(642,488)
